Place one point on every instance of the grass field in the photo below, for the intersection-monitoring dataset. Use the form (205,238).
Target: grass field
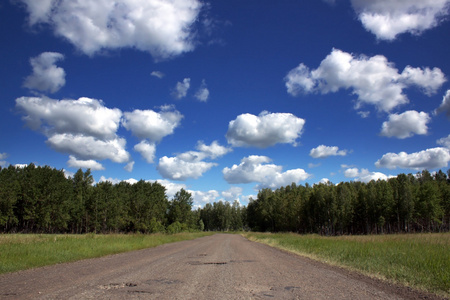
(25,251)
(418,260)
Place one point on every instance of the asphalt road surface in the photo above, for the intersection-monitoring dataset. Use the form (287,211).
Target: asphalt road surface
(222,266)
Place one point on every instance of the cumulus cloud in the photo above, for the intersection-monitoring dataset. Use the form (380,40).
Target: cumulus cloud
(406,124)
(257,169)
(158,74)
(265,130)
(214,150)
(147,150)
(191,164)
(46,76)
(202,93)
(201,198)
(148,124)
(83,116)
(84,164)
(324,181)
(181,88)
(162,28)
(83,128)
(444,142)
(323,151)
(176,168)
(233,193)
(88,147)
(364,175)
(351,172)
(445,105)
(373,79)
(426,159)
(387,19)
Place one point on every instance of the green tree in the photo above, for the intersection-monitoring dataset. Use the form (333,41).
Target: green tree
(180,209)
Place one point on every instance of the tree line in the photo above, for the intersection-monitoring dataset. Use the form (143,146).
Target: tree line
(43,200)
(406,203)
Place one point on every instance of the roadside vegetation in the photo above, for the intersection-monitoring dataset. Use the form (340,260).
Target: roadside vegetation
(25,251)
(421,261)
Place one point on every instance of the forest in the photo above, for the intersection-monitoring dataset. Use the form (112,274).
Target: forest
(36,199)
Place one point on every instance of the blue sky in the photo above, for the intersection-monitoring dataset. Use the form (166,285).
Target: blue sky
(223,98)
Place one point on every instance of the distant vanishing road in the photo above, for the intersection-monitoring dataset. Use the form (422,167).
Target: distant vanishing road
(222,266)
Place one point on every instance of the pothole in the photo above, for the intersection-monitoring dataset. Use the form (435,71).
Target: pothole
(115,286)
(162,281)
(199,263)
(139,292)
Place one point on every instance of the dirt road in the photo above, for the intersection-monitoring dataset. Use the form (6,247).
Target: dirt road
(222,266)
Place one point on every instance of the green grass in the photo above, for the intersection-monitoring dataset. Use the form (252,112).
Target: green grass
(25,251)
(421,261)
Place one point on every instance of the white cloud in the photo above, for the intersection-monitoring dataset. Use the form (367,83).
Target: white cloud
(373,79)
(426,159)
(255,168)
(202,93)
(46,76)
(351,172)
(201,198)
(158,74)
(325,181)
(406,124)
(84,164)
(214,150)
(83,128)
(129,166)
(148,124)
(83,116)
(3,162)
(162,28)
(190,164)
(171,187)
(364,175)
(181,88)
(387,19)
(265,130)
(323,151)
(147,150)
(233,193)
(430,80)
(445,105)
(178,169)
(88,147)
(444,142)
(111,180)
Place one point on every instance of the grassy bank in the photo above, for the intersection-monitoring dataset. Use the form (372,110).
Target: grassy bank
(25,251)
(417,260)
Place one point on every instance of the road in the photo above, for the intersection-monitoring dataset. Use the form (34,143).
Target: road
(222,266)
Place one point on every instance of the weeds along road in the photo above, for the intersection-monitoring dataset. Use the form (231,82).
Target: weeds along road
(222,266)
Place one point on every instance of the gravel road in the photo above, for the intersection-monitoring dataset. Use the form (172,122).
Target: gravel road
(222,266)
